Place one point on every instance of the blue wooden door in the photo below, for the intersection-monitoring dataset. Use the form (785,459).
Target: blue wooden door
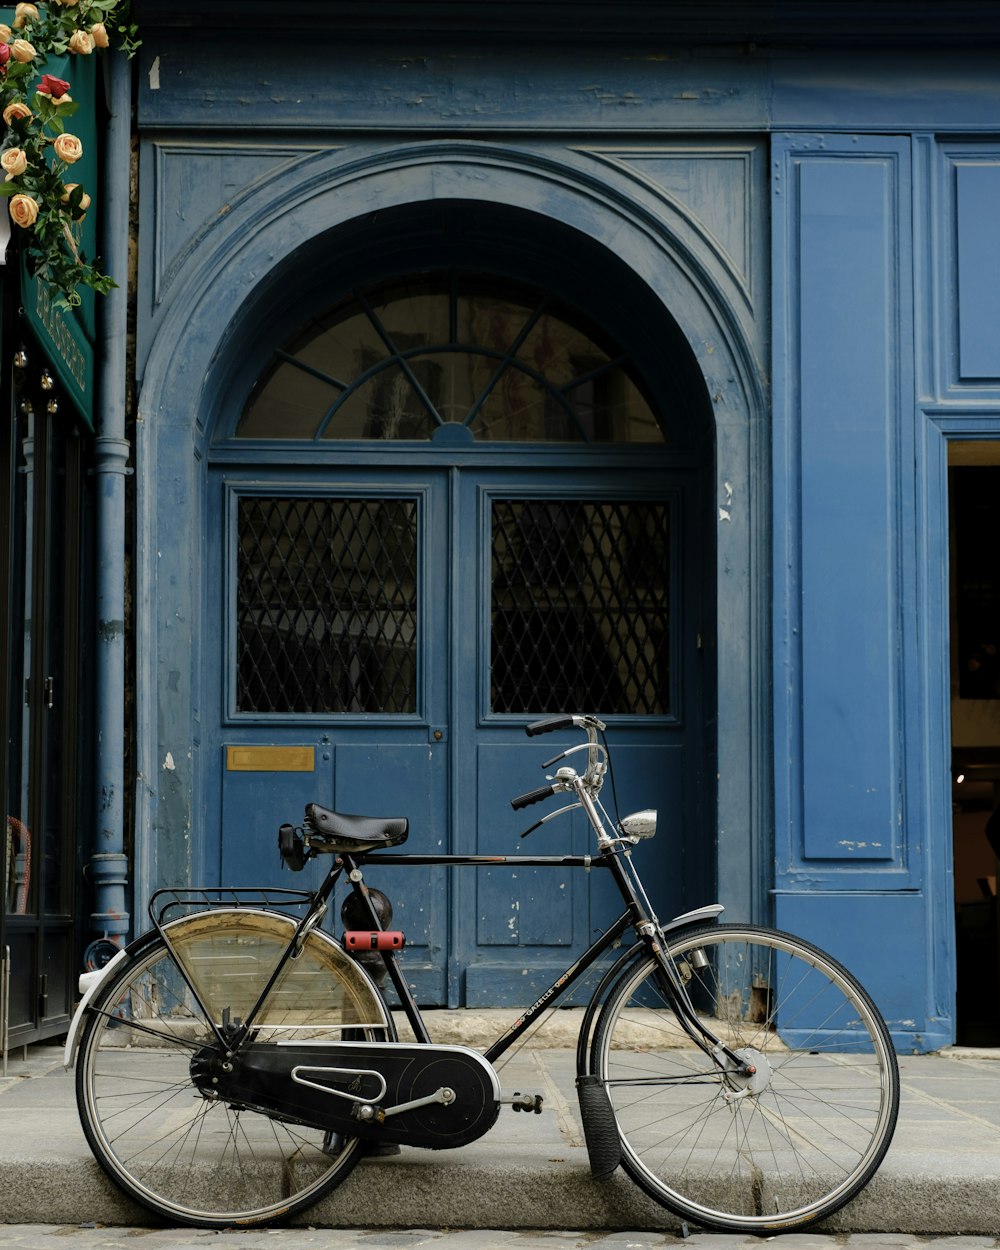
(385,636)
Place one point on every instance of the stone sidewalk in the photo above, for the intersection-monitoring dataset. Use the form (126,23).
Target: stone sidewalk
(941,1175)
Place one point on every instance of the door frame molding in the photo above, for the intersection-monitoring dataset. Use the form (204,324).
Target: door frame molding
(189,368)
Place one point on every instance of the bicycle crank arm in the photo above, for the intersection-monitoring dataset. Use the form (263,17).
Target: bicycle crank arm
(365,1111)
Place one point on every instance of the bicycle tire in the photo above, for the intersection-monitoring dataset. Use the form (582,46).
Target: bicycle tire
(774,1152)
(188,1158)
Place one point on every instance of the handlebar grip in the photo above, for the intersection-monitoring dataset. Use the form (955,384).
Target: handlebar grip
(547,725)
(533,796)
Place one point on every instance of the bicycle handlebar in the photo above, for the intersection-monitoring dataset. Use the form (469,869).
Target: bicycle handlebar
(548,724)
(533,796)
(585,786)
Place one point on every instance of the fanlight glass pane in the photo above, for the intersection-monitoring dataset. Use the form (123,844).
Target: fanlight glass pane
(403,359)
(387,406)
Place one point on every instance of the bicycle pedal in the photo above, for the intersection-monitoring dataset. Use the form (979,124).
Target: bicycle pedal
(527,1102)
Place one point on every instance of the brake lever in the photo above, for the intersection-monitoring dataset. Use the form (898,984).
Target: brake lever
(583,746)
(570,807)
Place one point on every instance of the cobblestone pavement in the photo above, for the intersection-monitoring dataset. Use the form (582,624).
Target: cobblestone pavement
(83,1237)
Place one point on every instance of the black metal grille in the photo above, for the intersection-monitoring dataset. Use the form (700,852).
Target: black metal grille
(581,607)
(327,605)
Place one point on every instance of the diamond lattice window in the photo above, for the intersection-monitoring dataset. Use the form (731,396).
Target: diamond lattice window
(326,616)
(580,606)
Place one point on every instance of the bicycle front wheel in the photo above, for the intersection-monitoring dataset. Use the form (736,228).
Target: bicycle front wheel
(192,1158)
(772,1151)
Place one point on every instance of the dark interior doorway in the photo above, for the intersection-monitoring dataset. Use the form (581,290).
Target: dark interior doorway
(974,506)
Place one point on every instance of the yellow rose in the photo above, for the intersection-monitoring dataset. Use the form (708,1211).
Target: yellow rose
(16,111)
(14,162)
(68,148)
(63,99)
(84,199)
(23,14)
(5,33)
(99,34)
(23,210)
(22,51)
(81,42)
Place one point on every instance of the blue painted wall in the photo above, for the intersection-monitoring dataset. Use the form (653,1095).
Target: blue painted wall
(842,351)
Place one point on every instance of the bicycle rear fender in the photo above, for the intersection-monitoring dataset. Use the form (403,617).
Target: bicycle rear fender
(281,926)
(89,984)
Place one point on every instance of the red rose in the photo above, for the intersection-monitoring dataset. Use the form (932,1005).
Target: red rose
(55,87)
(4,54)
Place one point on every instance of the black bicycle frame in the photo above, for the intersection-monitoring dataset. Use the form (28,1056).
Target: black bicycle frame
(633,917)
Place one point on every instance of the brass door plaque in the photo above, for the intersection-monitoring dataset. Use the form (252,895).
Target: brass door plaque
(270,759)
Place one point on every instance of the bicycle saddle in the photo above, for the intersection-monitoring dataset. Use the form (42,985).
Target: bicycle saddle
(354,834)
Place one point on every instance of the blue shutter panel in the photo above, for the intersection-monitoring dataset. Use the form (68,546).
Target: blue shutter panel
(841,259)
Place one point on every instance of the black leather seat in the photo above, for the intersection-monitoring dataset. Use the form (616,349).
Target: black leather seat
(354,834)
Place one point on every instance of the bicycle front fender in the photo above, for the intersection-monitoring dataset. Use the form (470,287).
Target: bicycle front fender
(699,916)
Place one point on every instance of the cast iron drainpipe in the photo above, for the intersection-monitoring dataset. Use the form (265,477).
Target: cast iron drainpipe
(108,868)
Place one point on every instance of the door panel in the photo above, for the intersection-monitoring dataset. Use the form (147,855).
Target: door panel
(578,606)
(257,798)
(385,778)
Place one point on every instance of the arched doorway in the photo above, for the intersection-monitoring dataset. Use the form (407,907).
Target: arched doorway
(463,485)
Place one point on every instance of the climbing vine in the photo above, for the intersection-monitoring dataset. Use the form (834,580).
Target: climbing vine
(38,150)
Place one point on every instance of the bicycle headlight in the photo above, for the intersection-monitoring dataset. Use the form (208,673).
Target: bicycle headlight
(640,824)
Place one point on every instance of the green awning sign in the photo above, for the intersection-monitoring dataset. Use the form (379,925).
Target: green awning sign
(61,336)
(67,335)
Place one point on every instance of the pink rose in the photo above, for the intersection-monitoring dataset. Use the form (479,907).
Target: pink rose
(17,110)
(84,199)
(50,85)
(68,148)
(13,162)
(25,13)
(23,210)
(4,53)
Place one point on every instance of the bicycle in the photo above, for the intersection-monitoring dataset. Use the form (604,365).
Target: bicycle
(236,1061)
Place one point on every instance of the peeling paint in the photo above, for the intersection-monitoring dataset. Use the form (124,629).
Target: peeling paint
(168,762)
(724,514)
(154,75)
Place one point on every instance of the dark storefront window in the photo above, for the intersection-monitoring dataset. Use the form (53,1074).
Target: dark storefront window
(43,529)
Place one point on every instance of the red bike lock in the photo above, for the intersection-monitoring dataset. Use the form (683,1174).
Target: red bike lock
(374,940)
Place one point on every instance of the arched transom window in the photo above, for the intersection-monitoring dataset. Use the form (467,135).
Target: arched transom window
(451,356)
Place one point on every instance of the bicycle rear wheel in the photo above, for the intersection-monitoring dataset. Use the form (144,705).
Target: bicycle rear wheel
(775,1151)
(191,1158)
